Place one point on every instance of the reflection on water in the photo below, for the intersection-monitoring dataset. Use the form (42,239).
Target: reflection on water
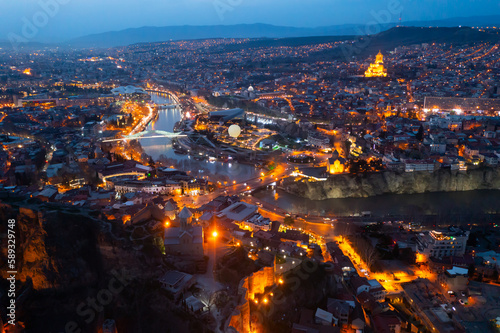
(470,203)
(163,146)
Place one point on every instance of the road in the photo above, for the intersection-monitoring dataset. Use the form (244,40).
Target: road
(236,188)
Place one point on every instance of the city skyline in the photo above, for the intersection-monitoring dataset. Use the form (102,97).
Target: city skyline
(227,176)
(62,20)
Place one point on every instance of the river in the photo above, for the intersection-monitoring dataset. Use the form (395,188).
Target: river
(471,202)
(163,146)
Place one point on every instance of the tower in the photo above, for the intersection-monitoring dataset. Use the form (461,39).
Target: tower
(185,217)
(379,58)
(170,210)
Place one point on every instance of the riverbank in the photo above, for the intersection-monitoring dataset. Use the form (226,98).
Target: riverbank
(389,182)
(443,205)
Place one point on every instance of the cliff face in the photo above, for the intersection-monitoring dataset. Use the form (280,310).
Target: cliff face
(366,185)
(55,249)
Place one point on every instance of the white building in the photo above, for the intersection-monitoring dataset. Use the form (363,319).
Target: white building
(419,165)
(319,141)
(440,244)
(153,187)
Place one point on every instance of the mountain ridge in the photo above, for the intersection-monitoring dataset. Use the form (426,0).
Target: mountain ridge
(151,34)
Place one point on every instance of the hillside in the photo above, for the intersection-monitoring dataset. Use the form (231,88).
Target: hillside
(359,186)
(388,40)
(257,30)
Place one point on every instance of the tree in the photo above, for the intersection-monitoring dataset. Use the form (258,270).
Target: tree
(347,148)
(420,134)
(472,270)
(395,251)
(288,220)
(494,277)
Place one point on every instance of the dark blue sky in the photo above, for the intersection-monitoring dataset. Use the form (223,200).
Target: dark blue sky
(81,17)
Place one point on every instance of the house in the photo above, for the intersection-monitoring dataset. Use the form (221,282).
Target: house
(239,211)
(176,282)
(386,323)
(195,305)
(150,212)
(307,324)
(322,317)
(377,290)
(455,279)
(360,284)
(340,310)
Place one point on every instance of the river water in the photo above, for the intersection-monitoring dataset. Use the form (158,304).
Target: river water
(470,203)
(163,146)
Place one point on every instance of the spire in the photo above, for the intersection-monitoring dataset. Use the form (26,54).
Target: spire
(185,218)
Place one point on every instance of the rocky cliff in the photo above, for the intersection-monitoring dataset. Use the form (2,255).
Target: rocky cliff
(75,270)
(388,182)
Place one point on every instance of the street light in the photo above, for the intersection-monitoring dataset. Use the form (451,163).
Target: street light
(214,234)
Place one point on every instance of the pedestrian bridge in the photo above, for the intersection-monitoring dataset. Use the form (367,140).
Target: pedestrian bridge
(148,135)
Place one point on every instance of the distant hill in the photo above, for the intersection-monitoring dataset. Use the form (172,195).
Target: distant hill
(159,34)
(405,36)
(364,46)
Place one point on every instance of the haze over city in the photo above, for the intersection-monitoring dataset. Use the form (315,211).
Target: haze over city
(78,18)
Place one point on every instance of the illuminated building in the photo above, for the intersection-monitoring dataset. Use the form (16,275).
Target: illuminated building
(460,104)
(440,244)
(319,141)
(186,239)
(455,279)
(336,164)
(377,69)
(249,287)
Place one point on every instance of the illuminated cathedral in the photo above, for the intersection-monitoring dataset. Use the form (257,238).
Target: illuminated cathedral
(377,69)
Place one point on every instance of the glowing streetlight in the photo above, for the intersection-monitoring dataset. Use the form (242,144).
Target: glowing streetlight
(214,234)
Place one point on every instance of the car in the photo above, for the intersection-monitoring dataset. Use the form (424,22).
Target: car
(461,301)
(463,293)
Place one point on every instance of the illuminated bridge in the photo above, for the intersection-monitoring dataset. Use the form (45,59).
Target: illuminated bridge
(147,135)
(139,174)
